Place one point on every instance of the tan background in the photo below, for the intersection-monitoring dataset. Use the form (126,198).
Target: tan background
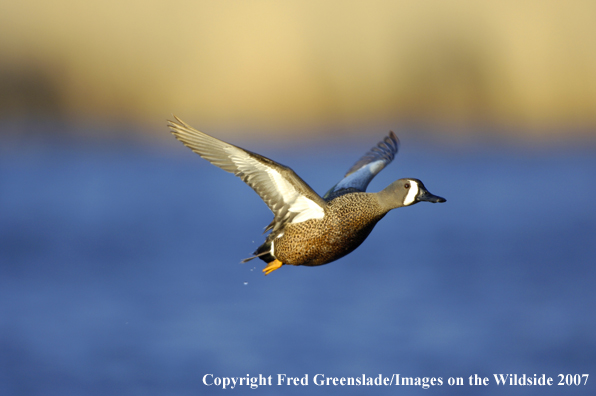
(528,66)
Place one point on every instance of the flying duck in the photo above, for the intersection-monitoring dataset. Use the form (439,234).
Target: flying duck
(308,229)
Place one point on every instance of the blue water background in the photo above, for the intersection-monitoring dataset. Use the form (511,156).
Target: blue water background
(120,273)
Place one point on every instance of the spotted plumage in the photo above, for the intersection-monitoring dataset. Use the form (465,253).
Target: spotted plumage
(347,222)
(307,229)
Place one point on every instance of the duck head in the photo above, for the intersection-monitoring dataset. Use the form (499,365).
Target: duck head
(406,192)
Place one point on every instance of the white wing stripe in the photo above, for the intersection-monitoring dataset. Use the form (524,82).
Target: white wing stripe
(306,209)
(296,203)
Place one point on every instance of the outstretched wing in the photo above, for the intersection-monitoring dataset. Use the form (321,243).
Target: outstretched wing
(285,193)
(366,168)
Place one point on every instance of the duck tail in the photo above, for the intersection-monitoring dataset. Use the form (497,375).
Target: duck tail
(259,255)
(263,252)
(246,260)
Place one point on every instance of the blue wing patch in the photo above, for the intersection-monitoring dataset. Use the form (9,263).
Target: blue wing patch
(366,168)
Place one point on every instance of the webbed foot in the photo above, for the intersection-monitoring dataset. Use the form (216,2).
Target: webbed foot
(272,266)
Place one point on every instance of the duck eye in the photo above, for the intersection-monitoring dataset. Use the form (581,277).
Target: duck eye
(407,185)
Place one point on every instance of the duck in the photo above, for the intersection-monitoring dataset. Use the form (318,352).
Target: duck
(308,229)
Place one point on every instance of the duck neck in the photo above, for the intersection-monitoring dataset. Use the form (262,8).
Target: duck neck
(388,199)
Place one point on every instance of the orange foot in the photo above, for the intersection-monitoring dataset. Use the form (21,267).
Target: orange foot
(272,266)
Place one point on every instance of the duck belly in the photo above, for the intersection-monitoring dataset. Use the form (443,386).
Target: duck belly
(318,244)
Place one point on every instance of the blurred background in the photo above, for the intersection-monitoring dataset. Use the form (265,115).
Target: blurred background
(273,66)
(119,248)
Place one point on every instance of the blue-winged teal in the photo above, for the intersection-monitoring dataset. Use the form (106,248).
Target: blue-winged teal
(307,229)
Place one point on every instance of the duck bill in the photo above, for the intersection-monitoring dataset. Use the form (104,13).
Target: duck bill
(425,196)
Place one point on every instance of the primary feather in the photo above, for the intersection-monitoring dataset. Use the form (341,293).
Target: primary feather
(366,168)
(288,196)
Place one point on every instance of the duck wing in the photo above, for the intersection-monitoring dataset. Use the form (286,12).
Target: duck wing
(366,168)
(288,196)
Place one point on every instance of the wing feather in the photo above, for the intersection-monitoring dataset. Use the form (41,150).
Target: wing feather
(285,193)
(366,168)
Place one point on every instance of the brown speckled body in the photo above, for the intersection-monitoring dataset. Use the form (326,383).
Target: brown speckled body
(348,220)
